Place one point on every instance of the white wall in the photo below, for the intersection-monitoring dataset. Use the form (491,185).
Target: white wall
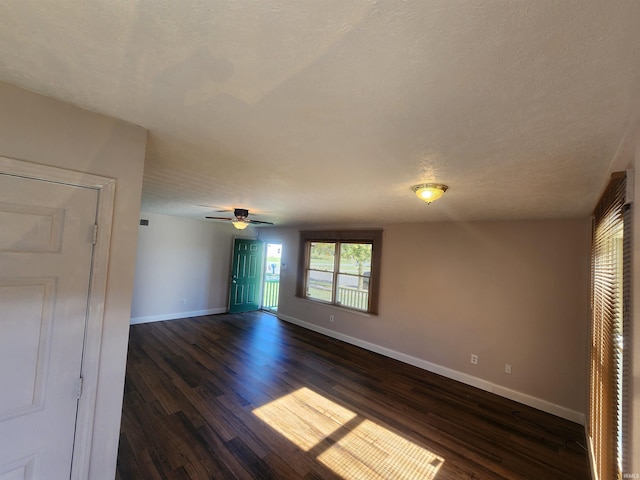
(44,131)
(510,292)
(182,259)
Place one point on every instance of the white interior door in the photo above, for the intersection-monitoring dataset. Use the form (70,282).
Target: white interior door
(46,247)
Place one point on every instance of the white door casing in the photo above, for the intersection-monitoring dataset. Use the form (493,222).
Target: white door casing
(52,290)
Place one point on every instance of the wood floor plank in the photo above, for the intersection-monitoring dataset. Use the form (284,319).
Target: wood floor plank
(248,396)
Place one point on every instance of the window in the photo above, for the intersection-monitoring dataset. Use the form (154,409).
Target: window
(610,323)
(340,268)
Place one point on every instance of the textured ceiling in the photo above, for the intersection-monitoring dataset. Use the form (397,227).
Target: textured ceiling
(329,111)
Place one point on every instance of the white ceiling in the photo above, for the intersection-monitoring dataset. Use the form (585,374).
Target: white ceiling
(307,111)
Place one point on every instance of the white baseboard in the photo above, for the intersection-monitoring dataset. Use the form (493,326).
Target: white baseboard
(465,378)
(177,315)
(535,402)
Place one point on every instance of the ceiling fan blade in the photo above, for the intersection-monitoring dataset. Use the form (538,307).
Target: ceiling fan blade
(216,209)
(219,218)
(258,221)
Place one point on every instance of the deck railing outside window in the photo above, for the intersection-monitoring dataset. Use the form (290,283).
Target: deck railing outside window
(271,291)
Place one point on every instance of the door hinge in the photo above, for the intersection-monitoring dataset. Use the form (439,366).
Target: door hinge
(95,234)
(79,390)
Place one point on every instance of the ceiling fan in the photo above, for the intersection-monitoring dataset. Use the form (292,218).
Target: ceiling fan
(241,221)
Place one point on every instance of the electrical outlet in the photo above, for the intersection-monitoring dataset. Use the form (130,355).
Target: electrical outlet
(331,318)
(507,368)
(474,359)
(183,301)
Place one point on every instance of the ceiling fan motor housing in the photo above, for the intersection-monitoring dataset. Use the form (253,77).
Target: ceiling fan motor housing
(241,213)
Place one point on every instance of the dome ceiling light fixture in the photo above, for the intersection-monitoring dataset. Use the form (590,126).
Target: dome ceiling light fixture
(429,192)
(239,224)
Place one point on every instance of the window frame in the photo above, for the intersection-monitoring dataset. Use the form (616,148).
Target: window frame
(372,237)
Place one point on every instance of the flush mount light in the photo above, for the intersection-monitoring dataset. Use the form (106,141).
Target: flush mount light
(429,191)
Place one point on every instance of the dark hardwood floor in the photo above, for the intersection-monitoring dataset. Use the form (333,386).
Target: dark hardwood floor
(252,397)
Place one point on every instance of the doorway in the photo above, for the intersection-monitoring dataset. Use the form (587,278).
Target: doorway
(271,287)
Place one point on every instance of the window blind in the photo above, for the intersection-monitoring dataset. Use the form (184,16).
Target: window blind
(610,293)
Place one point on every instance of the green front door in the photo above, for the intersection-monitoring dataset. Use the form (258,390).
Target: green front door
(246,274)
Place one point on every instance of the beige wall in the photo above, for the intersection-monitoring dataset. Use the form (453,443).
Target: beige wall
(511,292)
(42,130)
(182,258)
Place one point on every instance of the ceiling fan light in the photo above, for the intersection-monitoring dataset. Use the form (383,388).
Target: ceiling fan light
(240,224)
(428,192)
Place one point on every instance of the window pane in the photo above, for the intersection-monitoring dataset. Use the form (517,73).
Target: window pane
(353,291)
(320,285)
(321,256)
(355,258)
(353,281)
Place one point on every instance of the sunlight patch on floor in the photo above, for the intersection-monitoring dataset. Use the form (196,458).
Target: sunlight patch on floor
(374,452)
(304,417)
(353,447)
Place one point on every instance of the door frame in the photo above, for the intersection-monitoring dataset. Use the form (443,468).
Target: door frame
(106,188)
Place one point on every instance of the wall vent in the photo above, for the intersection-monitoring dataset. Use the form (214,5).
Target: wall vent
(144,223)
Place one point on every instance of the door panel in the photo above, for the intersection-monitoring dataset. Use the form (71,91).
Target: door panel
(246,273)
(23,471)
(33,228)
(26,327)
(46,247)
